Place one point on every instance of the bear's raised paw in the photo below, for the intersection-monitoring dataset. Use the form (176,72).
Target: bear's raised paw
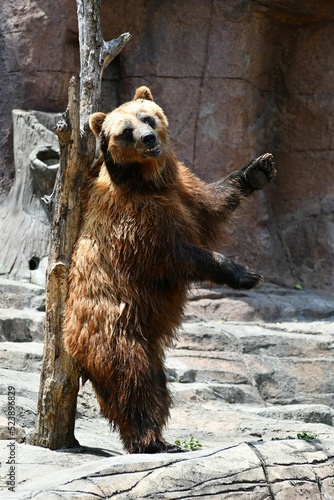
(260,171)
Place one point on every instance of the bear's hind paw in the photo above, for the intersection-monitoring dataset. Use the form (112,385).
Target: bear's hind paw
(160,447)
(174,448)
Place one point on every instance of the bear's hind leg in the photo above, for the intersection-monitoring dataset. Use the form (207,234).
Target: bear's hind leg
(137,401)
(144,414)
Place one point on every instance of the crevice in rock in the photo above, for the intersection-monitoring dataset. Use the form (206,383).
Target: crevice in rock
(202,78)
(264,468)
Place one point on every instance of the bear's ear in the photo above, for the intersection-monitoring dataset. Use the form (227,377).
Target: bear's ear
(96,121)
(143,93)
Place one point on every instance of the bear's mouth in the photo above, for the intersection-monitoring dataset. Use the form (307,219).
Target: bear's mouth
(155,151)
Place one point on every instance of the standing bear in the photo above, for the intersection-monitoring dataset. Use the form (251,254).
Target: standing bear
(150,228)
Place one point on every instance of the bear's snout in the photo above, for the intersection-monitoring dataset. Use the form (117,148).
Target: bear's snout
(149,139)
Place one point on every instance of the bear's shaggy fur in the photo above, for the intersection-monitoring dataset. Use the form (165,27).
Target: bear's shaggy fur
(150,228)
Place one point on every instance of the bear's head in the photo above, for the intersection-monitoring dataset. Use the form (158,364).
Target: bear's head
(133,138)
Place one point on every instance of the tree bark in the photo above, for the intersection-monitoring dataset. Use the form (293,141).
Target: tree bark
(60,375)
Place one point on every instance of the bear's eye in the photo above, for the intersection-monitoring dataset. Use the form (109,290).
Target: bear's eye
(150,121)
(127,133)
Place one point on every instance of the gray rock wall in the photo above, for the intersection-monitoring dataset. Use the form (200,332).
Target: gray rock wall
(236,79)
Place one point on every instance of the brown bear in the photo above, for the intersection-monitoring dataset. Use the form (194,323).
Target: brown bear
(150,228)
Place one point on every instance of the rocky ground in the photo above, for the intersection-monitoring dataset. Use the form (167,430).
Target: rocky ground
(252,376)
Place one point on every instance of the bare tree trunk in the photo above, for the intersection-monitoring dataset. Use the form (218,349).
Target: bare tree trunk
(60,375)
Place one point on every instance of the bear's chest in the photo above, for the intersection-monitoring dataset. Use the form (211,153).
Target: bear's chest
(149,225)
(139,238)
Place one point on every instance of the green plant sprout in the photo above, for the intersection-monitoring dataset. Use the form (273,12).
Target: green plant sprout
(190,444)
(307,436)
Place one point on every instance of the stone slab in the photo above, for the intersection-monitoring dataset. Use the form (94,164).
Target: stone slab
(249,470)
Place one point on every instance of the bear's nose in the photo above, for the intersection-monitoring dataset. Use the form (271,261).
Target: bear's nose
(149,139)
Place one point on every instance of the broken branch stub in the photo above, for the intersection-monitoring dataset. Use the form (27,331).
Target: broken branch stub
(95,53)
(112,48)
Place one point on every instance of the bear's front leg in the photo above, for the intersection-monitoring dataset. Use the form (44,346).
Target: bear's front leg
(199,264)
(230,191)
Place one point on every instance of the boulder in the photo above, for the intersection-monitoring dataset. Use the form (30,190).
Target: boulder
(21,325)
